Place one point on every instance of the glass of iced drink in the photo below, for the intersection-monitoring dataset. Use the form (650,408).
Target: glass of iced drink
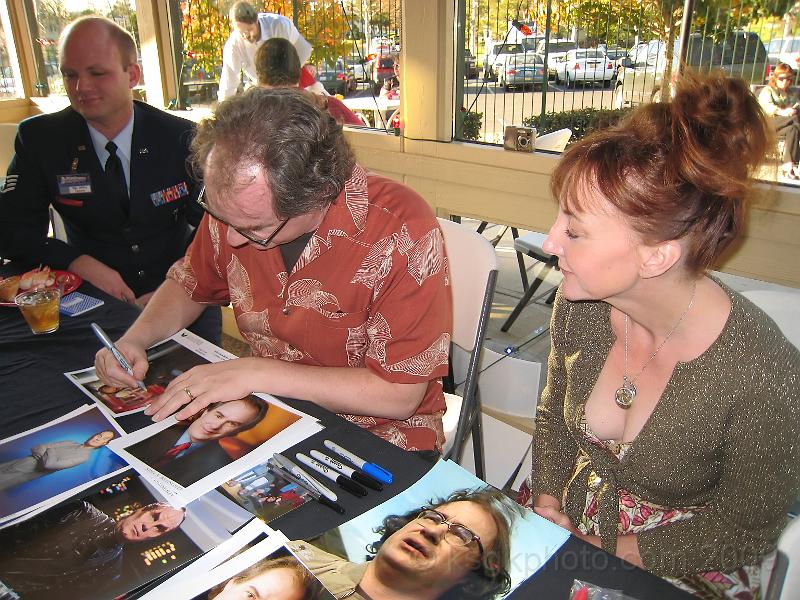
(40,309)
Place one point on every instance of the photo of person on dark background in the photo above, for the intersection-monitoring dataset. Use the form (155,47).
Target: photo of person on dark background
(190,450)
(49,457)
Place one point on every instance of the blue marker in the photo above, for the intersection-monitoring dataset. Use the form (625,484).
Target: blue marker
(369,468)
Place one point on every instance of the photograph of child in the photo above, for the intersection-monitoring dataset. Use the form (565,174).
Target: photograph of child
(223,432)
(63,455)
(106,542)
(266,495)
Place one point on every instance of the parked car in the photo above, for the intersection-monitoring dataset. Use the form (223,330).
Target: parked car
(639,75)
(496,55)
(522,70)
(359,67)
(785,50)
(556,48)
(470,65)
(588,65)
(336,78)
(382,68)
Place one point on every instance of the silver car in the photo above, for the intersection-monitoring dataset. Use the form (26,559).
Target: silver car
(521,70)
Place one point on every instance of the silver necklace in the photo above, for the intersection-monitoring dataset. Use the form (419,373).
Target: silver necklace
(627,391)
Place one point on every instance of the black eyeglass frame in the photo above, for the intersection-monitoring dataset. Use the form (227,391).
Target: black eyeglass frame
(453,528)
(242,232)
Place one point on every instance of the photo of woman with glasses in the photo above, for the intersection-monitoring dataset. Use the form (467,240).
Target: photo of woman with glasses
(779,103)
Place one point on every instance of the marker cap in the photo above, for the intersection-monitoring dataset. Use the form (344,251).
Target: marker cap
(378,472)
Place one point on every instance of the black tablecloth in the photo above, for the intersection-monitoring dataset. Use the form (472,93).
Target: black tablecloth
(35,391)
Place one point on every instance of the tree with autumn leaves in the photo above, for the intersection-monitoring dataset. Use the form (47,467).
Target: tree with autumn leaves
(205,27)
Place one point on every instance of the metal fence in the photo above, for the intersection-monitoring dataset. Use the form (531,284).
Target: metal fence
(576,63)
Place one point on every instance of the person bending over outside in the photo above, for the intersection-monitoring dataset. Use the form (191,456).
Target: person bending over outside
(277,65)
(456,548)
(250,29)
(270,579)
(781,105)
(338,277)
(665,433)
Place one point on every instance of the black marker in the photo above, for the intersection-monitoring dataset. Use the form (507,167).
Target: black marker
(342,481)
(353,474)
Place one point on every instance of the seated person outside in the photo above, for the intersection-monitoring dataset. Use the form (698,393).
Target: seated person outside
(338,277)
(114,169)
(277,65)
(781,105)
(667,431)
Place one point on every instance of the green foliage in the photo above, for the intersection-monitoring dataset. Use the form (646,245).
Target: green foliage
(582,121)
(471,127)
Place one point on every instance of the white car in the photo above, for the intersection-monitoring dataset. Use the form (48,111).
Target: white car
(358,67)
(784,50)
(588,65)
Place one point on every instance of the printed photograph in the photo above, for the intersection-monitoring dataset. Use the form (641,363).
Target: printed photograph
(107,542)
(224,432)
(167,360)
(266,495)
(63,455)
(448,536)
(278,576)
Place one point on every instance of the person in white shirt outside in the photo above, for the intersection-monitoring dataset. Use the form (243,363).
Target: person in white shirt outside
(249,29)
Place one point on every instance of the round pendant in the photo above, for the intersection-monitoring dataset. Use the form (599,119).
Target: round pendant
(625,395)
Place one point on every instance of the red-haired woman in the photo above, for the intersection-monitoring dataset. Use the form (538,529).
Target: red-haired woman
(781,105)
(667,430)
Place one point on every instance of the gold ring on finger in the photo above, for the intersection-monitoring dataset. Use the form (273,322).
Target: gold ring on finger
(189,393)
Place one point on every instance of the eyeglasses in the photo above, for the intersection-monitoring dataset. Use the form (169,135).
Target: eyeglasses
(457,535)
(242,232)
(784,78)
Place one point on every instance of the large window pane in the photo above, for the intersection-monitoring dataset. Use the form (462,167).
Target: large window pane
(48,20)
(640,43)
(9,83)
(354,44)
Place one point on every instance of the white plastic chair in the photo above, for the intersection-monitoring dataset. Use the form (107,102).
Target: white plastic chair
(784,583)
(555,141)
(473,273)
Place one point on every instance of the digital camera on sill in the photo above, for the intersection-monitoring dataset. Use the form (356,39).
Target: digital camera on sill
(520,139)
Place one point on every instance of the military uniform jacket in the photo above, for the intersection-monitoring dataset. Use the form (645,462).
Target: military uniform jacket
(56,164)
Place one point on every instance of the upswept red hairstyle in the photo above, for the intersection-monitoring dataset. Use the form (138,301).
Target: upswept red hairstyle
(677,171)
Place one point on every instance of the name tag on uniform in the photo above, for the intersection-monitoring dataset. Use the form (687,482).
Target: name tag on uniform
(75,183)
(170,194)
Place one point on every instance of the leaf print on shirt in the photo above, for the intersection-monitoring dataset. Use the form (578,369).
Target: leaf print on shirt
(426,258)
(356,197)
(308,293)
(376,266)
(255,328)
(213,232)
(182,272)
(422,364)
(239,285)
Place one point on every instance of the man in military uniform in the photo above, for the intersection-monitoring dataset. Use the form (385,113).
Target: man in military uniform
(113,169)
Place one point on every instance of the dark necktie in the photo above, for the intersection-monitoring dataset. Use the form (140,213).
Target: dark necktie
(116,177)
